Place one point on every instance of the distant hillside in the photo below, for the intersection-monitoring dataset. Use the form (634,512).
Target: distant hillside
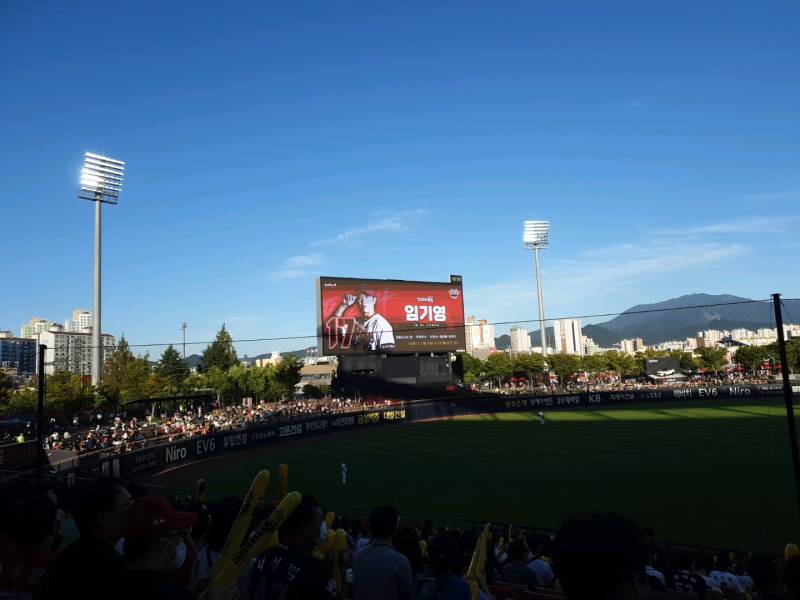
(193,360)
(675,319)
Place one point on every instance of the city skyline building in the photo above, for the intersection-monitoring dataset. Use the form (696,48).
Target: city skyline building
(81,321)
(568,336)
(67,351)
(479,334)
(520,341)
(632,346)
(37,325)
(17,354)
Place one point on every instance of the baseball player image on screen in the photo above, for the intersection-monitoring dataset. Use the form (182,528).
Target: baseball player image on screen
(372,331)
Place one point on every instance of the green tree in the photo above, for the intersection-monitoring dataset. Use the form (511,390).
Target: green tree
(287,375)
(116,369)
(135,384)
(686,361)
(595,363)
(216,379)
(22,401)
(5,387)
(467,368)
(261,382)
(528,365)
(564,365)
(751,357)
(125,376)
(196,382)
(220,353)
(239,383)
(156,386)
(68,393)
(622,363)
(499,366)
(713,359)
(173,368)
(793,354)
(312,392)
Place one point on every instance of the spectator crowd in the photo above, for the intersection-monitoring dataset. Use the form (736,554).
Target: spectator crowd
(133,544)
(123,433)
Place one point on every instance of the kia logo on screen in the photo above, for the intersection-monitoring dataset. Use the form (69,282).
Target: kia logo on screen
(330,284)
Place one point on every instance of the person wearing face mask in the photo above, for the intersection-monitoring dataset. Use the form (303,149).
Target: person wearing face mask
(155,547)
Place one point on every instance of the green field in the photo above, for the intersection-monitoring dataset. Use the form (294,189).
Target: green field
(717,473)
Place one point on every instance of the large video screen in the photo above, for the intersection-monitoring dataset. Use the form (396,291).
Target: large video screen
(359,316)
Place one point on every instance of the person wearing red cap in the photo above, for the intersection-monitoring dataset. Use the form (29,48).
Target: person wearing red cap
(155,546)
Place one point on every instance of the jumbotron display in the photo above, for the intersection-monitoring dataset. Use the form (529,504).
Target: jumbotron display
(360,316)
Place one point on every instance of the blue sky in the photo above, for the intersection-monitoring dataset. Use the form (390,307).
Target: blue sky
(270,142)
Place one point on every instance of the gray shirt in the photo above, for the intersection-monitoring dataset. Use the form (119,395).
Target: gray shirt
(381,573)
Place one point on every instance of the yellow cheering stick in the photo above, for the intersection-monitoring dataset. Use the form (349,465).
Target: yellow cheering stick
(264,537)
(478,563)
(327,544)
(423,548)
(283,481)
(340,548)
(257,491)
(330,517)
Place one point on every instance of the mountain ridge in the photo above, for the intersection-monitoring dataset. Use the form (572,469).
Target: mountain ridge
(677,319)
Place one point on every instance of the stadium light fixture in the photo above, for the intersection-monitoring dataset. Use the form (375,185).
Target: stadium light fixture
(536,236)
(101,183)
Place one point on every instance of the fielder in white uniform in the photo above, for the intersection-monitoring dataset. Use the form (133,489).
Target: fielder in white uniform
(344,473)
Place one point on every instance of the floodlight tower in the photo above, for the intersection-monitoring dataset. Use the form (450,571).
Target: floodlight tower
(536,235)
(101,183)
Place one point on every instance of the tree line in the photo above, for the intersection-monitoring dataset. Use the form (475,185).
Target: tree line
(128,378)
(500,367)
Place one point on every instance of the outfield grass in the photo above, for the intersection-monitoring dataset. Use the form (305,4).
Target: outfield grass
(717,473)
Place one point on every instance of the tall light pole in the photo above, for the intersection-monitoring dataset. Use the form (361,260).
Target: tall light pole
(535,236)
(101,183)
(184,325)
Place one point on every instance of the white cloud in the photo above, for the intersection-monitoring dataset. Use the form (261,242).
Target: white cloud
(401,221)
(303,261)
(295,267)
(575,284)
(741,225)
(289,274)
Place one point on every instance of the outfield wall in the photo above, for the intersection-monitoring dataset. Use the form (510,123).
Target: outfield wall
(157,458)
(168,455)
(493,403)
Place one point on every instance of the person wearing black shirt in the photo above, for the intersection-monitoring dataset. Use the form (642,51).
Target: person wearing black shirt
(89,567)
(289,571)
(600,555)
(515,570)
